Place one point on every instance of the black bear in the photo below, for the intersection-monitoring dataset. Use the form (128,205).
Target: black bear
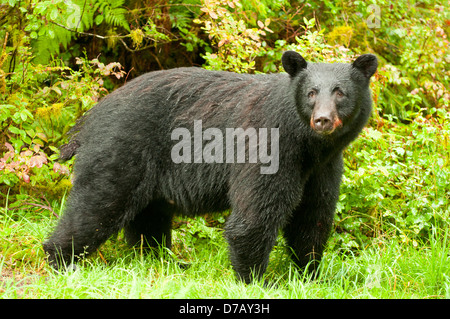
(191,141)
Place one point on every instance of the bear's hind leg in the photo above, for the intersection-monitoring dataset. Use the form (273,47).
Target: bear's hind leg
(79,232)
(152,226)
(96,209)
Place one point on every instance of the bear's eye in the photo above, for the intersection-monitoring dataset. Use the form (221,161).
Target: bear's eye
(311,93)
(338,92)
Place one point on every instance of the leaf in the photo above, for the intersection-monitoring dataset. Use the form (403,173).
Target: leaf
(26,178)
(57,90)
(23,116)
(31,132)
(42,136)
(98,19)
(54,13)
(18,131)
(213,15)
(54,149)
(37,141)
(222,42)
(62,169)
(38,161)
(41,6)
(9,147)
(268,30)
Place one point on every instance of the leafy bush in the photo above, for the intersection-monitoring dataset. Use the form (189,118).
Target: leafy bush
(396,182)
(237,45)
(41,104)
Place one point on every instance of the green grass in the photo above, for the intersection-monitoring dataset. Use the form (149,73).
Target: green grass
(198,267)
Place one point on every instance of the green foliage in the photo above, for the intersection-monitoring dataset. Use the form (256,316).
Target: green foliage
(52,25)
(412,39)
(112,12)
(41,104)
(396,182)
(237,45)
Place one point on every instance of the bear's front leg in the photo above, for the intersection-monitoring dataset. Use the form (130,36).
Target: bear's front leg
(260,208)
(309,228)
(250,241)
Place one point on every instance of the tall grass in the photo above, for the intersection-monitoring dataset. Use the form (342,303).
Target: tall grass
(198,267)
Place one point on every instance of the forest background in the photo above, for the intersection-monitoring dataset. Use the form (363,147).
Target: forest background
(59,57)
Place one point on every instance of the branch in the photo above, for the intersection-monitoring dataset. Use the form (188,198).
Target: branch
(168,5)
(120,37)
(81,16)
(135,50)
(87,33)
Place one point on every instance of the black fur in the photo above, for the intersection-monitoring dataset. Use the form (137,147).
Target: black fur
(125,177)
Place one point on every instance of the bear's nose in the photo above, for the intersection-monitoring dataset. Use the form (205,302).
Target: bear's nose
(322,123)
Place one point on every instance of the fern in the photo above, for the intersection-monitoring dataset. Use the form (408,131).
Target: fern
(77,15)
(112,12)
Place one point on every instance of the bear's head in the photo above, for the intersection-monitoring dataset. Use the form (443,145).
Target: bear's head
(330,95)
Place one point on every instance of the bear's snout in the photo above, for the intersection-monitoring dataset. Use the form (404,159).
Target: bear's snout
(325,122)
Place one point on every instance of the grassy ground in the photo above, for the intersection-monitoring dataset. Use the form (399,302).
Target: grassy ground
(198,267)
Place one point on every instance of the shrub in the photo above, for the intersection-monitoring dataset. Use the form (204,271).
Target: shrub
(41,105)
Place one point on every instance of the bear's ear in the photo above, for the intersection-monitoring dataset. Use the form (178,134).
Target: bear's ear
(367,64)
(293,62)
